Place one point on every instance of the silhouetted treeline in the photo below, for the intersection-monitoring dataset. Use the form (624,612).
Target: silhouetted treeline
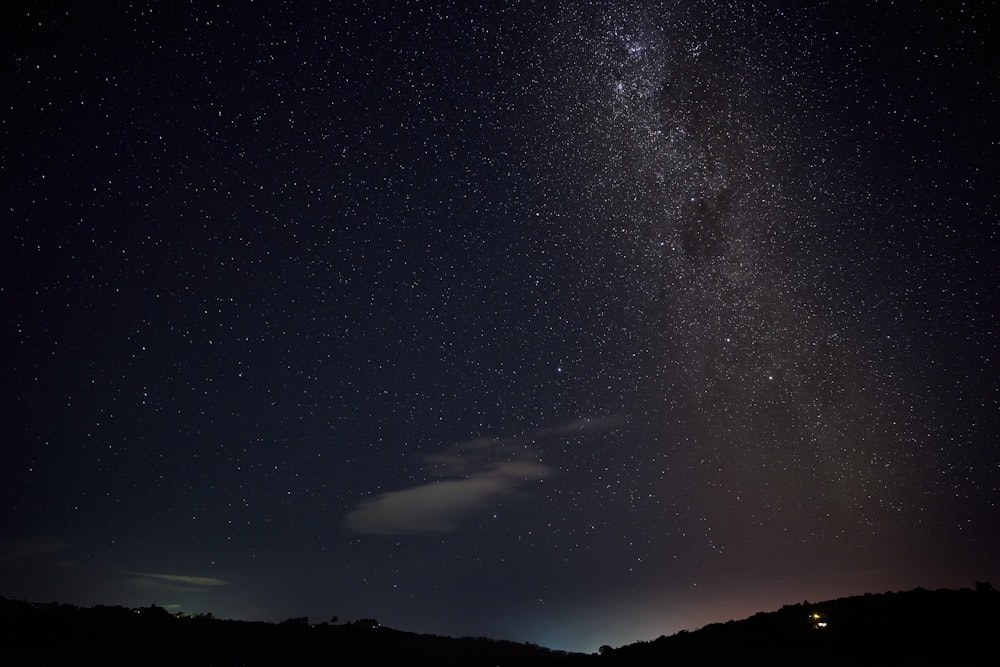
(914,628)
(60,634)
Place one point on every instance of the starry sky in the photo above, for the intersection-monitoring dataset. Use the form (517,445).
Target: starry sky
(562,322)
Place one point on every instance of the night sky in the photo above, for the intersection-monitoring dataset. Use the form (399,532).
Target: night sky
(562,322)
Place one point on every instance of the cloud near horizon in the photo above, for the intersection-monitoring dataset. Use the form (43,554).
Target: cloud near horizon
(439,506)
(175,583)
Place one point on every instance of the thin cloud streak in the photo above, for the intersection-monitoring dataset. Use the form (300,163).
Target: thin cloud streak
(175,583)
(30,549)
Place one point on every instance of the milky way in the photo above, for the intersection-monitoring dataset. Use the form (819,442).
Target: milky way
(689,146)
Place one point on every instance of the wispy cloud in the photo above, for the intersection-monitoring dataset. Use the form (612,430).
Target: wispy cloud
(476,474)
(176,583)
(440,505)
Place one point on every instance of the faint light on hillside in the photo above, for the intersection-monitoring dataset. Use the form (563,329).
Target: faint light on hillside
(817,620)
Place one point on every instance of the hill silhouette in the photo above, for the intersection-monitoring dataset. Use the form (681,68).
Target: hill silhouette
(918,627)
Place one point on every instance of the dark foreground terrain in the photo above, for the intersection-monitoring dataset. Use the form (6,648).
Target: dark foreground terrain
(918,627)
